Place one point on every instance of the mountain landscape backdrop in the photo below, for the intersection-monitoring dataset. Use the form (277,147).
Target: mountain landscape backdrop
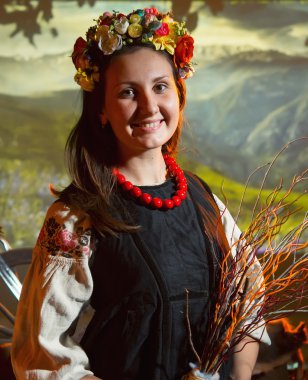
(246,101)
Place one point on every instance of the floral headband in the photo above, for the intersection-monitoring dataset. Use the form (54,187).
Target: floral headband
(115,30)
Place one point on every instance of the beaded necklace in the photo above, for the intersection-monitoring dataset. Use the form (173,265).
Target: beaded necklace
(155,202)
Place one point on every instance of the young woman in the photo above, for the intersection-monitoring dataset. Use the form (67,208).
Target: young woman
(132,232)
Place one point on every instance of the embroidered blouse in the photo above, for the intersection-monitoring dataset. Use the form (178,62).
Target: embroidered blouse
(57,288)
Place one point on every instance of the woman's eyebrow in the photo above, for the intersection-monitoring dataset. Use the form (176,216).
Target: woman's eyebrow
(131,82)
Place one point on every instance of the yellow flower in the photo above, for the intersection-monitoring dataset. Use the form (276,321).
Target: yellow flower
(134,18)
(173,30)
(134,30)
(85,81)
(167,19)
(164,43)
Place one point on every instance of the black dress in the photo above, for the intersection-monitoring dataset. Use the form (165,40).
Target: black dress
(140,288)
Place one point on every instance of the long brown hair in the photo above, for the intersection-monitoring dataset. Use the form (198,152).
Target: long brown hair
(91,153)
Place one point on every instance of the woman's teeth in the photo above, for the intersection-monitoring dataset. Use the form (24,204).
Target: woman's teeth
(148,125)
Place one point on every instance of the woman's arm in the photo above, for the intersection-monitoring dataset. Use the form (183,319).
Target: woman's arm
(57,286)
(244,359)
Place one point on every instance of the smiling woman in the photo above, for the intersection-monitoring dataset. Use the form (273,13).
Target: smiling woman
(133,233)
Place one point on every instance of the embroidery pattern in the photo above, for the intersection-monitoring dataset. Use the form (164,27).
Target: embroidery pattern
(57,240)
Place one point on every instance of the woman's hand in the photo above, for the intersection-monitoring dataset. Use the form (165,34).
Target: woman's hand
(90,377)
(244,359)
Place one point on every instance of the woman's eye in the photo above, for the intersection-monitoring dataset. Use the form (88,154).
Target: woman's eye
(128,92)
(160,87)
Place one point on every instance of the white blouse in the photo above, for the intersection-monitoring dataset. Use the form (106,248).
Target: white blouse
(57,288)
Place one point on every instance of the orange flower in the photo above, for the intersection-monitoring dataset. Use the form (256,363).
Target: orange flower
(184,50)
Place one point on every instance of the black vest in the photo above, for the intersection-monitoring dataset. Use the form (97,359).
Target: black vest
(130,336)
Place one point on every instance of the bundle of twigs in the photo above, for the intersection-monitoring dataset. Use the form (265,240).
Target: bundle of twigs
(252,291)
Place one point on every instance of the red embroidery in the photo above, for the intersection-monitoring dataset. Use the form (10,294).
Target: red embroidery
(66,240)
(59,241)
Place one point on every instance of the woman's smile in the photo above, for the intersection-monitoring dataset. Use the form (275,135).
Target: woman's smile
(148,127)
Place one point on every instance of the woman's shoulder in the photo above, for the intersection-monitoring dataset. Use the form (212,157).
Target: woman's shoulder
(66,213)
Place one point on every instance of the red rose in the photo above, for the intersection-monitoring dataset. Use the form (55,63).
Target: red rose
(163,30)
(80,45)
(105,19)
(79,48)
(152,11)
(184,50)
(66,240)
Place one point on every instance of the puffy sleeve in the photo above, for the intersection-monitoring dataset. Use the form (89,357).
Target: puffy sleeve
(57,286)
(233,234)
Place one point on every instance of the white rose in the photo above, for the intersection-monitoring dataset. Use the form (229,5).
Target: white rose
(121,25)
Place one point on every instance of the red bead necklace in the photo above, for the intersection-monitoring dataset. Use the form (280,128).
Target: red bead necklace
(155,202)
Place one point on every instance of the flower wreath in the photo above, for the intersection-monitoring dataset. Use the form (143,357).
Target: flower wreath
(115,30)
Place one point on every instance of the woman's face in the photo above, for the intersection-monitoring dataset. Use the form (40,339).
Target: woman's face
(141,101)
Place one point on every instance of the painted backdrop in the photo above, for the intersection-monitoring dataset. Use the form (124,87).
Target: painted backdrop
(248,97)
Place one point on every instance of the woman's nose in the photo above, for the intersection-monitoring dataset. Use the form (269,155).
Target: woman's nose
(147,103)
